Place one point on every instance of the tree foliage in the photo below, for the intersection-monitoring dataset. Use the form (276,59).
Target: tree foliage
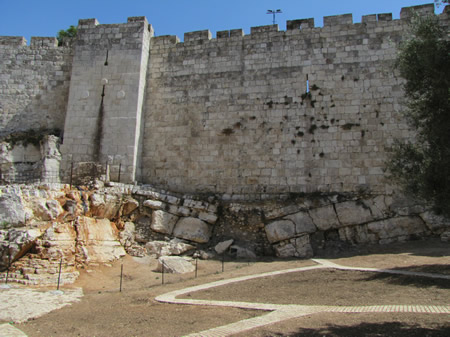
(66,36)
(422,167)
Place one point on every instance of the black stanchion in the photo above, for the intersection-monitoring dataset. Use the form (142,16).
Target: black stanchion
(196,266)
(162,276)
(121,276)
(9,265)
(120,169)
(59,274)
(223,262)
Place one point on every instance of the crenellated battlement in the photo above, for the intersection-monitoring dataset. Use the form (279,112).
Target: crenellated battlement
(333,23)
(35,43)
(13,41)
(117,32)
(40,42)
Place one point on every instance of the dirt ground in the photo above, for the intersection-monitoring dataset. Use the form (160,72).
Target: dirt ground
(104,311)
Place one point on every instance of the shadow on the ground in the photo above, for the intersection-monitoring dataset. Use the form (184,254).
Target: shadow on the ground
(392,329)
(432,247)
(417,281)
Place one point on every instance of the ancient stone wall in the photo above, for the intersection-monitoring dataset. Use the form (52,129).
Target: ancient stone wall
(309,109)
(34,84)
(302,110)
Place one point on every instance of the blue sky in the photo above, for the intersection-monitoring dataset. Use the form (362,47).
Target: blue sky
(175,17)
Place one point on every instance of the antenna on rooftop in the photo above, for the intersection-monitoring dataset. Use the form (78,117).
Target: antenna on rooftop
(274,12)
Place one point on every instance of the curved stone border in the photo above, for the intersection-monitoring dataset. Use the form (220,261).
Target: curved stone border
(7,330)
(281,312)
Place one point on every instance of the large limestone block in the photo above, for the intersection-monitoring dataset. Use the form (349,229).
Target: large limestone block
(296,247)
(174,265)
(378,207)
(324,218)
(192,229)
(280,230)
(356,234)
(163,222)
(397,227)
(303,223)
(12,212)
(353,213)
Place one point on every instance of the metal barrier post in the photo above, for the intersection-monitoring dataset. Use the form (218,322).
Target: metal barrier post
(59,274)
(121,275)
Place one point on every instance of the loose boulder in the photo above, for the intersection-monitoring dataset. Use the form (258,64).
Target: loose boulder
(174,265)
(222,247)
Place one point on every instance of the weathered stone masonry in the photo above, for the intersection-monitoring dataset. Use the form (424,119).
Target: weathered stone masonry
(271,143)
(246,116)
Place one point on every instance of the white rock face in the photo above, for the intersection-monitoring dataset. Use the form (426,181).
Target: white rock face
(192,229)
(163,222)
(99,237)
(353,213)
(175,265)
(324,217)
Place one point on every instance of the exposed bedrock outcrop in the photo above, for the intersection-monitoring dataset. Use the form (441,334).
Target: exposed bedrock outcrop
(44,227)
